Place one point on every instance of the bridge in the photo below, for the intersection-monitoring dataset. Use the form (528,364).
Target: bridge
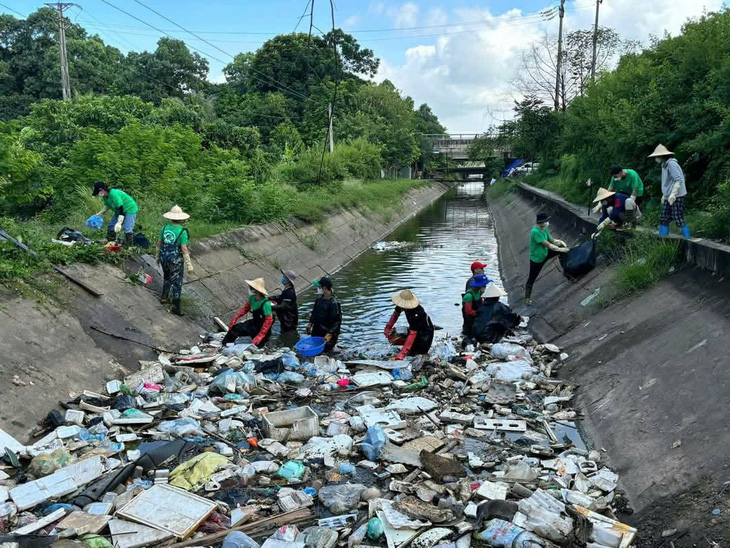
(456,145)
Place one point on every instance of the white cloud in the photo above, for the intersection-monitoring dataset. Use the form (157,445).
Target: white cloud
(405,15)
(351,21)
(465,74)
(436,16)
(377,8)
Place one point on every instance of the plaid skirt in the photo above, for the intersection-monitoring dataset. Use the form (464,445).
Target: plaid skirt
(673,212)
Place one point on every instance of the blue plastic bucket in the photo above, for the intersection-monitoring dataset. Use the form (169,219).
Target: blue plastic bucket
(310,347)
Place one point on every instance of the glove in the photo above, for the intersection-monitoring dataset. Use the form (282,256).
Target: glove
(308,330)
(554,247)
(561,243)
(630,204)
(673,196)
(563,250)
(256,341)
(328,338)
(120,223)
(598,208)
(189,263)
(664,199)
(603,225)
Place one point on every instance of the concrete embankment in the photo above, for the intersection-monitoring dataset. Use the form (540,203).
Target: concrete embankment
(66,340)
(652,369)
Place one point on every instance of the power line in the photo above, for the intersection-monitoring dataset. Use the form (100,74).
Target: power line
(14,11)
(276,83)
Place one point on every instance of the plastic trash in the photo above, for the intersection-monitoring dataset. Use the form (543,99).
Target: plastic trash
(356,538)
(182,428)
(347,469)
(233,381)
(95,222)
(47,463)
(510,371)
(192,474)
(506,351)
(292,469)
(375,529)
(237,539)
(318,537)
(311,491)
(291,377)
(340,499)
(444,351)
(404,374)
(237,350)
(373,443)
(290,361)
(413,387)
(591,298)
(503,534)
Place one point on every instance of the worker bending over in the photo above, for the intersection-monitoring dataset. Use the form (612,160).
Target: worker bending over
(542,248)
(124,211)
(326,317)
(259,326)
(285,305)
(420,326)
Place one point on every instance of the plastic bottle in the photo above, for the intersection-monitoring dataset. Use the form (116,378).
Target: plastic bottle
(503,534)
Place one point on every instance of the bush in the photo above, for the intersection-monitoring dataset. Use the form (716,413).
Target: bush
(306,169)
(361,159)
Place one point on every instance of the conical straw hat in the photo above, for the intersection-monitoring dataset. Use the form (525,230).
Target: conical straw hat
(176,214)
(405,299)
(258,284)
(660,150)
(493,290)
(603,194)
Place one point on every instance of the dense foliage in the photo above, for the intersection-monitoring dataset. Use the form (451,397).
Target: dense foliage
(675,92)
(151,124)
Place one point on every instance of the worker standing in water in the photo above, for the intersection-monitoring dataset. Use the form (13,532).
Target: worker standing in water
(285,305)
(476,269)
(674,190)
(259,326)
(124,211)
(326,317)
(420,326)
(173,256)
(470,303)
(542,248)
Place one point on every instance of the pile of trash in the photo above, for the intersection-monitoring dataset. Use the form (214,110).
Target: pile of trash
(244,447)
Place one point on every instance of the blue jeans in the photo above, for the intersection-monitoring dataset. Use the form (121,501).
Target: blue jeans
(128,224)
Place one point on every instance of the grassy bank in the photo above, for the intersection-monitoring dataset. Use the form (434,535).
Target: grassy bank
(308,203)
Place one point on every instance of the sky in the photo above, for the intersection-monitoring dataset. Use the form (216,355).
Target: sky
(459,56)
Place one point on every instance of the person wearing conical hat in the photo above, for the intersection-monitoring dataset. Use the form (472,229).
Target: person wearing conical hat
(420,326)
(173,255)
(543,247)
(262,317)
(674,190)
(605,201)
(494,318)
(326,317)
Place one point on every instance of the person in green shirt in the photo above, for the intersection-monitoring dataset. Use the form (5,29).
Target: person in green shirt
(627,181)
(259,326)
(124,211)
(173,256)
(470,303)
(543,247)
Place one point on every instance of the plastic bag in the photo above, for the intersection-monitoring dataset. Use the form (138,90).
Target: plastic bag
(47,463)
(373,443)
(444,351)
(233,381)
(375,529)
(95,222)
(237,539)
(292,469)
(291,377)
(503,351)
(579,261)
(192,474)
(510,371)
(340,499)
(290,361)
(318,537)
(181,428)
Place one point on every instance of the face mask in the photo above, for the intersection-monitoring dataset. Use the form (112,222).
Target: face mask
(319,291)
(250,292)
(283,280)
(546,224)
(658,160)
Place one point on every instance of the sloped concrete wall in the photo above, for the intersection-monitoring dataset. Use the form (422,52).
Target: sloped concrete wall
(61,341)
(653,368)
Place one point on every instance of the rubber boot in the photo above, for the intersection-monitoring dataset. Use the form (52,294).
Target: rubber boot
(176,308)
(528,294)
(685,232)
(129,239)
(663,230)
(111,236)
(165,297)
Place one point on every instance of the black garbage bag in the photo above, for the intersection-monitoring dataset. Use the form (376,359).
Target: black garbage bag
(494,321)
(67,234)
(579,261)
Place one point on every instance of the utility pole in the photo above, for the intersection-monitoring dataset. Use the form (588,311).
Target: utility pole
(65,78)
(595,42)
(560,57)
(331,135)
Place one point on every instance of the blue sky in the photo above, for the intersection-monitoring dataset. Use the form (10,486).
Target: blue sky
(460,57)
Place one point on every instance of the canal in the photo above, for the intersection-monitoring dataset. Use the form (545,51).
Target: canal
(429,254)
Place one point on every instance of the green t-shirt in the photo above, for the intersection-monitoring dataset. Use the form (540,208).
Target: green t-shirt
(627,185)
(120,199)
(538,252)
(256,304)
(169,234)
(471,296)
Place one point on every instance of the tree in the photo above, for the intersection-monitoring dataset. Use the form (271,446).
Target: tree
(536,73)
(426,123)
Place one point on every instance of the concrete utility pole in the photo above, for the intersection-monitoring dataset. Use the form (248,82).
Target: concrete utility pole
(65,78)
(560,56)
(595,42)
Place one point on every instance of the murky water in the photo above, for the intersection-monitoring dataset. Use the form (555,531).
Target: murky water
(440,244)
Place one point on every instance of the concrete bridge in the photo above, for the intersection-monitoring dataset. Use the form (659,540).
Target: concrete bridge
(456,145)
